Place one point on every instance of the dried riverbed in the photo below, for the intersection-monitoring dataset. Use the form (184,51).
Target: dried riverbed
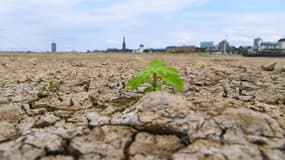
(232,108)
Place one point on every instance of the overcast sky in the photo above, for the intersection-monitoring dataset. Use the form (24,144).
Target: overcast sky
(100,24)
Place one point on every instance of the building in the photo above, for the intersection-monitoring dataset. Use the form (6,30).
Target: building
(224,47)
(154,50)
(261,48)
(243,50)
(213,50)
(113,50)
(181,49)
(124,46)
(53,47)
(281,43)
(268,45)
(140,49)
(257,44)
(206,45)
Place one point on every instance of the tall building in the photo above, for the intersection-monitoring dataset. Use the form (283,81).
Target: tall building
(206,45)
(257,44)
(124,46)
(224,47)
(53,47)
(281,43)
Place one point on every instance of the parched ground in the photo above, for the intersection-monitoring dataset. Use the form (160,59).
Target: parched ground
(232,108)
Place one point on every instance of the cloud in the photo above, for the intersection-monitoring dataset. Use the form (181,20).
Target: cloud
(65,11)
(137,8)
(184,38)
(111,41)
(251,25)
(34,23)
(238,28)
(88,24)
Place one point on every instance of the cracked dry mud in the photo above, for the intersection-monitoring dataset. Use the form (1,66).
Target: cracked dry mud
(232,108)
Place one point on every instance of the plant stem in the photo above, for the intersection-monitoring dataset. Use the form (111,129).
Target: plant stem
(154,81)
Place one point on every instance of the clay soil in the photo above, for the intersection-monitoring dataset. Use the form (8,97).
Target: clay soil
(74,106)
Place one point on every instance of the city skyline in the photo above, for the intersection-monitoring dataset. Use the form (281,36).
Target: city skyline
(84,24)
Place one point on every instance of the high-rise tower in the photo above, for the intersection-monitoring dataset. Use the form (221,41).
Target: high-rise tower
(53,47)
(257,44)
(124,45)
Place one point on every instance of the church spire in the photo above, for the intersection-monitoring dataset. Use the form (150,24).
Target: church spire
(124,45)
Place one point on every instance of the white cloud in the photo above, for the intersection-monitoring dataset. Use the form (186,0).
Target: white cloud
(34,23)
(184,38)
(65,10)
(137,8)
(239,29)
(111,41)
(245,27)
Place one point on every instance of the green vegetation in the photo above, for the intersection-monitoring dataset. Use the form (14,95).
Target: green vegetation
(156,75)
(52,85)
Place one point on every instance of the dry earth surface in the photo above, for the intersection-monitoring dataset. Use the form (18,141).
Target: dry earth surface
(232,108)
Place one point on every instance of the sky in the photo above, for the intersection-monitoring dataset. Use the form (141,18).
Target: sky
(32,25)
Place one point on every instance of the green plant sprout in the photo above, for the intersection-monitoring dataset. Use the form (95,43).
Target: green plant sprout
(52,85)
(155,75)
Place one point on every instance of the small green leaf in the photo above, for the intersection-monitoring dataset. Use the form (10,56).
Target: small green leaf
(157,74)
(173,80)
(156,63)
(170,70)
(162,71)
(148,89)
(138,80)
